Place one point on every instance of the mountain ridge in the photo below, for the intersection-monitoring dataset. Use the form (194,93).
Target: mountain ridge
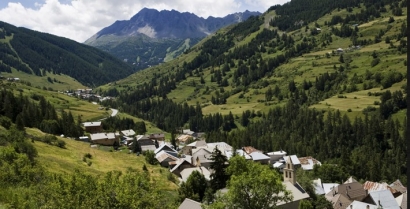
(150,36)
(43,55)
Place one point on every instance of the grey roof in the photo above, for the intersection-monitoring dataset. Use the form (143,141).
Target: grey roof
(101,136)
(386,199)
(200,143)
(278,165)
(238,152)
(92,124)
(329,186)
(294,158)
(361,205)
(179,163)
(297,192)
(187,172)
(221,146)
(164,147)
(190,204)
(259,156)
(163,155)
(188,131)
(128,132)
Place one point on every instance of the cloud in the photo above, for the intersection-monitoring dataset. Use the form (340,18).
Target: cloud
(80,19)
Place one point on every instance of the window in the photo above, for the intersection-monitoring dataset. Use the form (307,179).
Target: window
(290,174)
(288,166)
(286,173)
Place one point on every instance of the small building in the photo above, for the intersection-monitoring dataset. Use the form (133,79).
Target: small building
(144,140)
(158,137)
(187,150)
(182,139)
(276,156)
(260,157)
(179,166)
(351,191)
(93,127)
(108,139)
(339,50)
(188,132)
(165,157)
(202,157)
(308,162)
(128,133)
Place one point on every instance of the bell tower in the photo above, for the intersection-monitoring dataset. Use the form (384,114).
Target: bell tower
(289,171)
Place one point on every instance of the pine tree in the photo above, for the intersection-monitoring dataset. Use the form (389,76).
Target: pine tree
(219,164)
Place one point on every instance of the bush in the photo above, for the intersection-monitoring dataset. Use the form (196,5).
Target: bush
(61,143)
(88,155)
(375,62)
(349,110)
(89,163)
(150,157)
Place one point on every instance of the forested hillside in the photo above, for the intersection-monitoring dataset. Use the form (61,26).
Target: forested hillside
(41,54)
(299,77)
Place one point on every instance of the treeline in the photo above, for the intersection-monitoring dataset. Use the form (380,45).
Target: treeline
(119,124)
(26,184)
(371,142)
(44,53)
(36,112)
(293,15)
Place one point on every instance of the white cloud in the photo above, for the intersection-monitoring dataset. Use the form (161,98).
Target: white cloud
(81,19)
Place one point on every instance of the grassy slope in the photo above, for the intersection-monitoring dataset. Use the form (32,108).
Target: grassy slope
(67,160)
(306,67)
(64,82)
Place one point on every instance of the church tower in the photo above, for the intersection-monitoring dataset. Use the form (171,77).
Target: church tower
(289,171)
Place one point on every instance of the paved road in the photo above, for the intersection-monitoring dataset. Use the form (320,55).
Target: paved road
(114,112)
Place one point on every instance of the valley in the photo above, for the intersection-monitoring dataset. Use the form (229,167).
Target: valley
(320,80)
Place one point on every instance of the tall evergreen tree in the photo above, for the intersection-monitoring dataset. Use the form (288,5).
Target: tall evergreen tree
(218,165)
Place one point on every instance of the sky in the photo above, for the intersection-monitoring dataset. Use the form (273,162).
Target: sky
(80,19)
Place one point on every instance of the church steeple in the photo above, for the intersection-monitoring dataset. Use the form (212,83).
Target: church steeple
(289,171)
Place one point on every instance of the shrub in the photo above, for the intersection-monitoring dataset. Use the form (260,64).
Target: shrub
(349,110)
(88,155)
(89,163)
(375,62)
(61,143)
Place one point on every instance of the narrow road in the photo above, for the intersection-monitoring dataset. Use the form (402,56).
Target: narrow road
(114,112)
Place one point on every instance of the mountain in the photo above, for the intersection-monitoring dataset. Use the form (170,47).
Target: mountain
(335,56)
(42,54)
(151,36)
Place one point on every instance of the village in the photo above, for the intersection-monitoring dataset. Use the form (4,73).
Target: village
(193,153)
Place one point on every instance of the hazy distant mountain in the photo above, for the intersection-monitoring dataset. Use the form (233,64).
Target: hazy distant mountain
(152,36)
